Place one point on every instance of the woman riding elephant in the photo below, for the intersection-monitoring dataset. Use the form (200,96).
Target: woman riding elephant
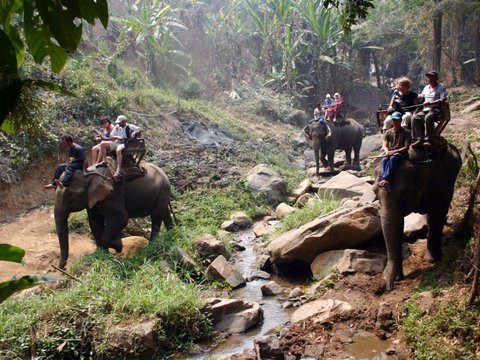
(109,205)
(423,184)
(326,138)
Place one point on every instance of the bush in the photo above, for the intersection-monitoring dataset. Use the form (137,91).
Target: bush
(190,88)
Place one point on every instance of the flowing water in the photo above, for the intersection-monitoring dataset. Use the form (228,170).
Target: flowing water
(273,313)
(366,346)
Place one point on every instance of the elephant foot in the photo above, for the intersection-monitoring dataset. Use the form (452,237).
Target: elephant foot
(390,276)
(62,264)
(116,245)
(433,257)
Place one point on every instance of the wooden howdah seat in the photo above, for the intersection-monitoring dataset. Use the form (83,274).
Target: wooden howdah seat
(442,121)
(133,153)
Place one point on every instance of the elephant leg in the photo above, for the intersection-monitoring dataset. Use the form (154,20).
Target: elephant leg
(356,155)
(392,227)
(323,156)
(348,156)
(435,221)
(97,226)
(331,157)
(113,228)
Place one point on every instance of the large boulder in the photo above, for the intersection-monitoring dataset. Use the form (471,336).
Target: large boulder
(371,145)
(303,188)
(233,315)
(320,309)
(262,179)
(283,210)
(340,229)
(415,226)
(347,262)
(131,244)
(221,269)
(344,185)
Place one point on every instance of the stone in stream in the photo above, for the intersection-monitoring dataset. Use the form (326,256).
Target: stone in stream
(209,247)
(320,310)
(271,288)
(259,274)
(222,270)
(233,315)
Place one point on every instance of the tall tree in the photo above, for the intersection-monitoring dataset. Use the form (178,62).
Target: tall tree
(437,36)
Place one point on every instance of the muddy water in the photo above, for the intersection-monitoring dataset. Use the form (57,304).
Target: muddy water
(367,346)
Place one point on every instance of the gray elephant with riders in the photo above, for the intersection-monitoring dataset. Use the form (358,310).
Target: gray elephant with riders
(418,169)
(142,190)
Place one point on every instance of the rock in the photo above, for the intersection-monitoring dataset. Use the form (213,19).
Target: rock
(320,309)
(472,107)
(349,203)
(303,200)
(259,274)
(130,246)
(283,210)
(425,302)
(233,315)
(303,188)
(319,285)
(271,288)
(368,197)
(209,247)
(340,229)
(263,229)
(371,145)
(344,185)
(384,317)
(222,270)
(263,262)
(262,179)
(120,338)
(268,347)
(347,262)
(186,260)
(241,219)
(295,293)
(415,226)
(229,225)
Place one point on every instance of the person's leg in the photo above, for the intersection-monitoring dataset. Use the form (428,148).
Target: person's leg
(69,172)
(407,120)
(119,158)
(430,119)
(95,153)
(418,128)
(58,171)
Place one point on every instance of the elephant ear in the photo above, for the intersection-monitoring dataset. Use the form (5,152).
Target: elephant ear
(99,189)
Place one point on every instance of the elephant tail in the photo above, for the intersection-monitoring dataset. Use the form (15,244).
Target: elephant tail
(170,209)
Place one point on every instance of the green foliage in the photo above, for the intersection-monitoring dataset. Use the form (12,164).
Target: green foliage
(112,292)
(190,88)
(8,288)
(449,333)
(78,222)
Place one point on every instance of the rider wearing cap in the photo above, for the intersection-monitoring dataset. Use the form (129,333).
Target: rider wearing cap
(396,142)
(119,133)
(423,123)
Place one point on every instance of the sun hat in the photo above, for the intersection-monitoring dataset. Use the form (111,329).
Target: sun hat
(396,115)
(328,96)
(336,95)
(120,118)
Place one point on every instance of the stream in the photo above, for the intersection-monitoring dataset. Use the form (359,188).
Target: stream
(366,346)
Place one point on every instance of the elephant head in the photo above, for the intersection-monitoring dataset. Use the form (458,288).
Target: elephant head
(84,192)
(425,186)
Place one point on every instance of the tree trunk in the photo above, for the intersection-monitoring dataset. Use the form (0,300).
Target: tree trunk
(437,37)
(377,69)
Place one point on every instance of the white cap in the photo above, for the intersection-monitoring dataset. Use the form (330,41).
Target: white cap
(328,96)
(120,118)
(336,95)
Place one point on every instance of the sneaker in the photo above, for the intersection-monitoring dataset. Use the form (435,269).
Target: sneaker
(427,143)
(101,164)
(118,175)
(49,186)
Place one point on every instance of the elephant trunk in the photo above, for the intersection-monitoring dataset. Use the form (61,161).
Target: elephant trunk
(61,224)
(392,227)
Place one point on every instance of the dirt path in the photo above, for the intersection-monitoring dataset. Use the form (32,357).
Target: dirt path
(35,233)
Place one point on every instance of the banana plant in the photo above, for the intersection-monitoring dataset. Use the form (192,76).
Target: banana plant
(150,30)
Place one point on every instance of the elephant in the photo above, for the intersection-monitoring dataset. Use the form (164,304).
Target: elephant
(423,184)
(345,135)
(110,204)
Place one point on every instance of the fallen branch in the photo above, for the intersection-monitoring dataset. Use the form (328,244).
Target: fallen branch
(66,273)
